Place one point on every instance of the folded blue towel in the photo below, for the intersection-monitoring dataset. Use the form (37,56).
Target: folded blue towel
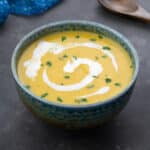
(24,7)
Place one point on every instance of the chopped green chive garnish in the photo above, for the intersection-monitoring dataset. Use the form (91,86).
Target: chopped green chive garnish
(66,77)
(44,95)
(96,57)
(131,66)
(83,100)
(108,80)
(42,65)
(100,36)
(59,99)
(95,76)
(75,57)
(63,38)
(90,86)
(27,86)
(92,39)
(80,100)
(48,63)
(65,56)
(77,36)
(106,48)
(117,84)
(104,56)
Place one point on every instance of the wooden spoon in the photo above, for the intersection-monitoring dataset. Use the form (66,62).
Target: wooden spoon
(126,7)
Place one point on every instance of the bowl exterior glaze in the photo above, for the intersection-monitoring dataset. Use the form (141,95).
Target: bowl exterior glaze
(74,118)
(70,116)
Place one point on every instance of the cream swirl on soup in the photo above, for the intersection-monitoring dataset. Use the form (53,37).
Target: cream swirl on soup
(33,65)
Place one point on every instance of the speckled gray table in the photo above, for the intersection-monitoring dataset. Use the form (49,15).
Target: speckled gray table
(19,130)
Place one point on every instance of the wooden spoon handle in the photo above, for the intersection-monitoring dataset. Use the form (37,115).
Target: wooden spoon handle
(142,14)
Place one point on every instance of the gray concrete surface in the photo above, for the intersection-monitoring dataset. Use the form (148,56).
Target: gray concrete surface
(19,130)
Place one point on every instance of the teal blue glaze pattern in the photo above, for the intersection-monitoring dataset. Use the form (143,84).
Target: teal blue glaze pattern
(74,116)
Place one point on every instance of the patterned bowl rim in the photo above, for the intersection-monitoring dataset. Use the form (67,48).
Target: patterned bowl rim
(80,22)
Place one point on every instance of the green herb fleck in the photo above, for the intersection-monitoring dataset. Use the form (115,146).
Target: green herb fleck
(42,65)
(100,36)
(27,86)
(82,100)
(95,76)
(65,56)
(131,66)
(59,99)
(75,57)
(106,48)
(92,39)
(108,80)
(63,38)
(44,95)
(77,36)
(96,57)
(66,77)
(90,86)
(104,56)
(117,84)
(61,84)
(48,63)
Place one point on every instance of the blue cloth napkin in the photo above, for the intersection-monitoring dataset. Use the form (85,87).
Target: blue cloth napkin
(24,7)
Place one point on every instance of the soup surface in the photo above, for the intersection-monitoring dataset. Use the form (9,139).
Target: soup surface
(75,67)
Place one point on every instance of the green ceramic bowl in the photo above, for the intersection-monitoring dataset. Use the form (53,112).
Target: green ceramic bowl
(73,116)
